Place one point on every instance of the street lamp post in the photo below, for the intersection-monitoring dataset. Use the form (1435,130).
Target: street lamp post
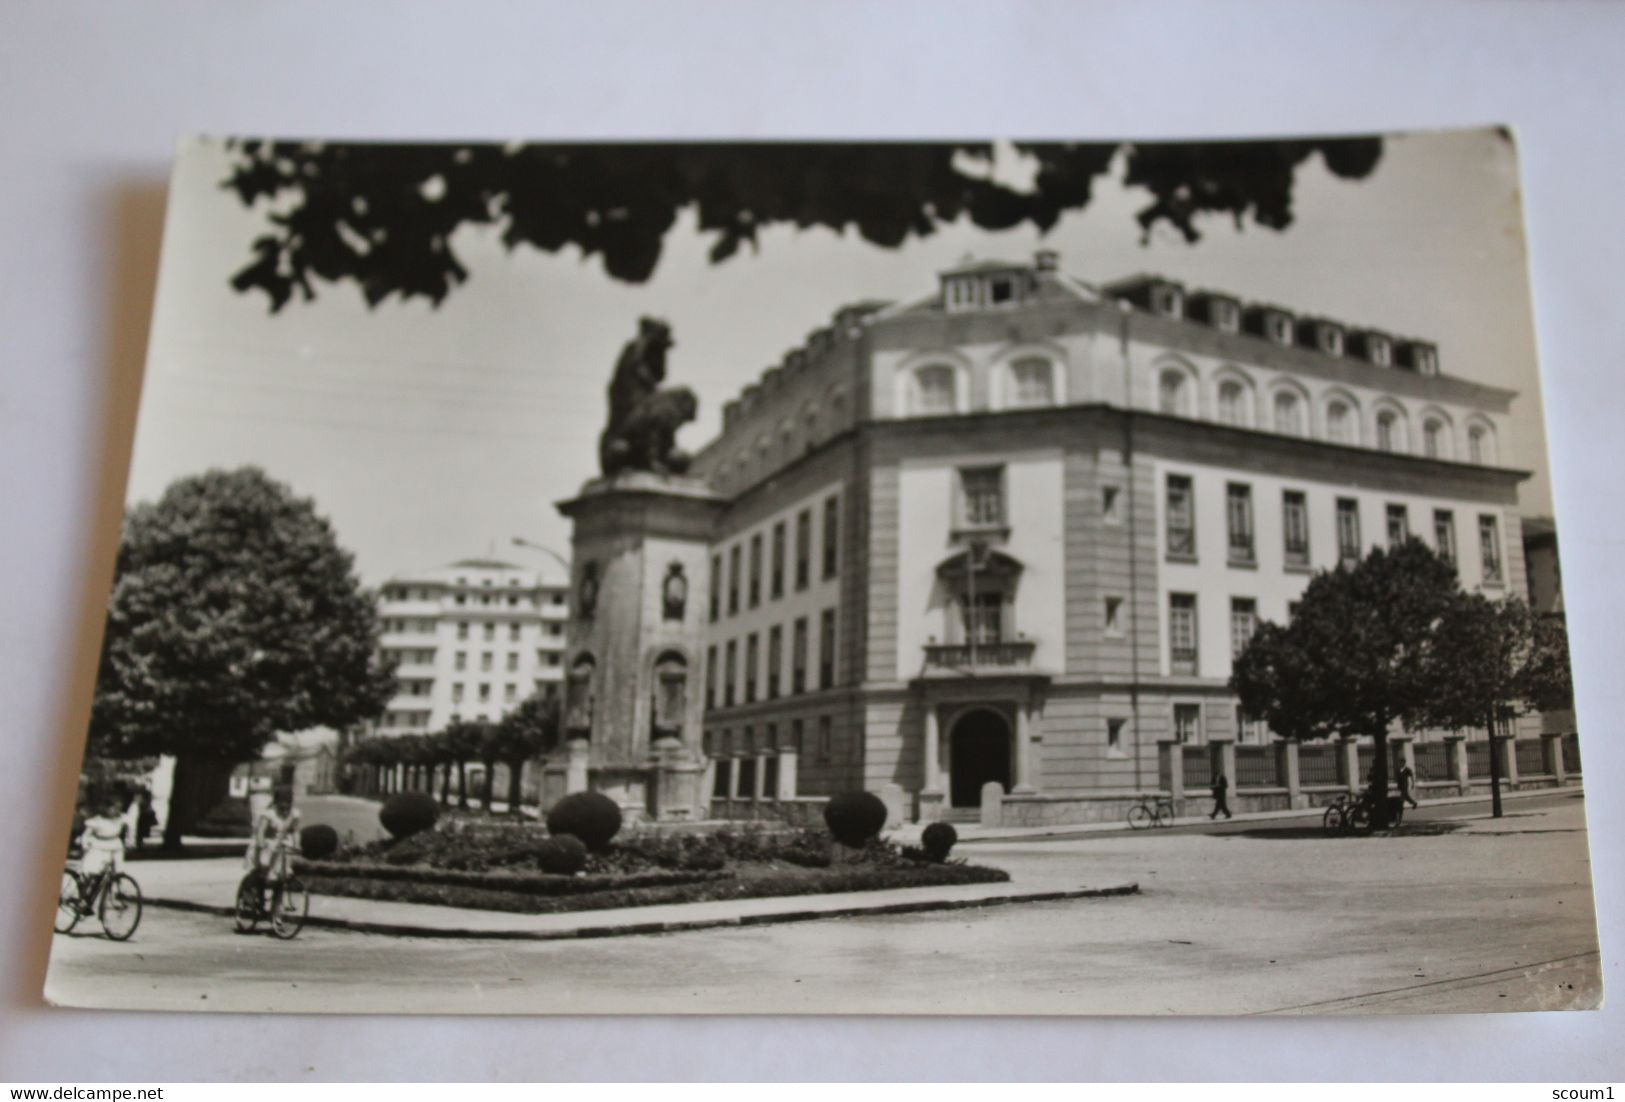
(562,561)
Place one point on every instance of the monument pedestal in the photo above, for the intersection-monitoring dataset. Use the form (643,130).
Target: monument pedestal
(634,650)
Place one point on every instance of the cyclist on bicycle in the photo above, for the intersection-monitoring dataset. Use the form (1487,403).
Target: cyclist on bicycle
(276,828)
(101,844)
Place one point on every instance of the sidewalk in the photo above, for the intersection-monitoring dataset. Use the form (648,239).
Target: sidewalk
(207,885)
(970,833)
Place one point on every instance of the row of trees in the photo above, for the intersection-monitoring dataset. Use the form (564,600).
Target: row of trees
(524,734)
(1395,639)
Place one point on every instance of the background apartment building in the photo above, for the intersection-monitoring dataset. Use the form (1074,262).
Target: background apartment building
(470,641)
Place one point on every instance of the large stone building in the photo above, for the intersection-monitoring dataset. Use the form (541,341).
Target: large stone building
(1014,530)
(470,641)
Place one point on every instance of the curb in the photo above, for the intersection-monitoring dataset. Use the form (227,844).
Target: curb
(640,928)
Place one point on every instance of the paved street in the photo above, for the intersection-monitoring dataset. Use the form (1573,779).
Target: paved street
(1458,912)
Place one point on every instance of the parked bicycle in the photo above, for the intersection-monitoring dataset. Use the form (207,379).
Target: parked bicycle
(273,895)
(112,896)
(1356,815)
(1152,812)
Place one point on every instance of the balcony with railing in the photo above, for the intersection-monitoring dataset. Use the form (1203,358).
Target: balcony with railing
(1004,655)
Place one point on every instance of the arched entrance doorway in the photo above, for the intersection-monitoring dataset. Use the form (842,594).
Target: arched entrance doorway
(979,751)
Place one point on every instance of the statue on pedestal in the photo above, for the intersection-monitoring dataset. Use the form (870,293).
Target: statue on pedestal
(644,416)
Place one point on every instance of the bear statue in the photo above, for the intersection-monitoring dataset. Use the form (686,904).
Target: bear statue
(643,415)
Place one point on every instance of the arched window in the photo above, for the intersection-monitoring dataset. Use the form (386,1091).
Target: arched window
(1288,414)
(1480,447)
(934,390)
(1032,383)
(1433,438)
(1338,423)
(1173,395)
(1232,400)
(1387,431)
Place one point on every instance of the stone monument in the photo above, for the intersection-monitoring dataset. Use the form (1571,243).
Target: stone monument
(635,643)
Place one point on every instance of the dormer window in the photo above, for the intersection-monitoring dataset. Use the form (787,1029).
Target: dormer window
(1168,301)
(1425,359)
(1226,316)
(961,294)
(1001,290)
(1278,328)
(1329,339)
(1379,351)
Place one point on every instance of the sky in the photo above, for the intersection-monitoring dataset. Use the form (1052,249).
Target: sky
(431,434)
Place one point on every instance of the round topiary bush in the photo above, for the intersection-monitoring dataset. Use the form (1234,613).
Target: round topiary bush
(406,813)
(318,841)
(937,839)
(591,816)
(855,817)
(562,855)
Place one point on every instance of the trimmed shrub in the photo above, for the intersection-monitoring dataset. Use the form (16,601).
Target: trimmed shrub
(318,841)
(591,816)
(562,855)
(406,813)
(855,817)
(937,840)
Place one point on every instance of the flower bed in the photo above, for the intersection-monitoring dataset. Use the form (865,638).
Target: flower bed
(497,870)
(715,886)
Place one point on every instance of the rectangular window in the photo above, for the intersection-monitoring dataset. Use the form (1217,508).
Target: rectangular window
(1188,723)
(1489,548)
(710,678)
(734,557)
(750,668)
(1348,530)
(462,630)
(1114,616)
(826,649)
(778,561)
(456,691)
(1295,527)
(797,732)
(1248,729)
(755,570)
(716,587)
(803,549)
(485,660)
(1243,622)
(981,497)
(461,660)
(1182,652)
(510,693)
(1444,534)
(513,663)
(775,659)
(1111,509)
(798,657)
(1238,513)
(832,532)
(984,617)
(826,738)
(485,691)
(1399,525)
(1181,518)
(730,667)
(490,632)
(1114,737)
(513,633)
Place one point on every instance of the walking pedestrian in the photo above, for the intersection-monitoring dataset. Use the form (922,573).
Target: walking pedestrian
(1220,788)
(1406,778)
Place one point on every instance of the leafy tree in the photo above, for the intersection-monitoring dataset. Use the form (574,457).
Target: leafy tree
(234,615)
(1358,654)
(383,216)
(1545,682)
(527,732)
(1495,659)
